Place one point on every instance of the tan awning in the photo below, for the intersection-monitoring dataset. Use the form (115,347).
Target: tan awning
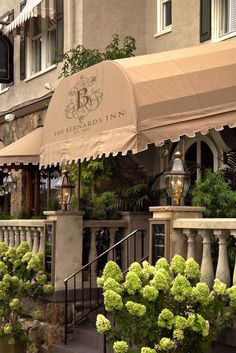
(127,104)
(33,8)
(23,151)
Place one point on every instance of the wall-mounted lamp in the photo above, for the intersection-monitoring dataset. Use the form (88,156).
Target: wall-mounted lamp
(9,184)
(49,87)
(177,180)
(9,117)
(64,190)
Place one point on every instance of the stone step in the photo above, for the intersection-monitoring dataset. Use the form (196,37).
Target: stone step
(85,340)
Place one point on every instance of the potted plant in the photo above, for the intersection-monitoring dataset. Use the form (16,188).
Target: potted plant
(21,278)
(163,308)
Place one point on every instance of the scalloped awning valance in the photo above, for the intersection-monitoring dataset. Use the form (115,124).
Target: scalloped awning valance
(23,151)
(33,8)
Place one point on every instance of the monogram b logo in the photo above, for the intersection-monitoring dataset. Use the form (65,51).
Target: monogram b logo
(84,98)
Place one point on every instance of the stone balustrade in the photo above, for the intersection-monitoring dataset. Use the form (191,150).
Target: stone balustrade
(199,233)
(14,232)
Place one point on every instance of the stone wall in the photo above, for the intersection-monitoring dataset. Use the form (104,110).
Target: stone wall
(10,132)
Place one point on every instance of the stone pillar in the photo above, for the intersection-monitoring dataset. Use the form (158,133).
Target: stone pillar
(175,240)
(68,246)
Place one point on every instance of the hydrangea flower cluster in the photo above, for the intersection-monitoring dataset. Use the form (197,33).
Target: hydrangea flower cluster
(135,309)
(103,325)
(120,347)
(21,277)
(161,308)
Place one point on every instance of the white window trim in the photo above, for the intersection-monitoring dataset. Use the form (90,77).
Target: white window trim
(40,73)
(4,90)
(215,20)
(160,29)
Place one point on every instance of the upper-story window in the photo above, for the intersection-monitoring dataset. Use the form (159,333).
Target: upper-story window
(8,17)
(42,42)
(218,19)
(164,16)
(227,17)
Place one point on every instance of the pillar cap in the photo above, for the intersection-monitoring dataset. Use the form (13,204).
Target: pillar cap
(176,209)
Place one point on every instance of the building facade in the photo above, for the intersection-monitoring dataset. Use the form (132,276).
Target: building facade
(59,25)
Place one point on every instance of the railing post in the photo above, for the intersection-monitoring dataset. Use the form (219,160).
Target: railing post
(17,236)
(29,237)
(1,234)
(35,240)
(6,235)
(233,233)
(207,271)
(222,270)
(41,240)
(190,234)
(22,234)
(112,254)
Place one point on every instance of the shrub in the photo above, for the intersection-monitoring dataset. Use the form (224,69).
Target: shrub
(163,308)
(21,277)
(215,194)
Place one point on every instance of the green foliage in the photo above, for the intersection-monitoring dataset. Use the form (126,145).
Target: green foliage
(79,58)
(163,308)
(21,278)
(5,216)
(215,194)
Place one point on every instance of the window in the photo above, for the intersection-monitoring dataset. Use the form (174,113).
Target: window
(223,19)
(9,17)
(164,16)
(44,40)
(200,154)
(36,38)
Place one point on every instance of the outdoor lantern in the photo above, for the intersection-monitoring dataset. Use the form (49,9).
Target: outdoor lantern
(177,180)
(64,190)
(10,183)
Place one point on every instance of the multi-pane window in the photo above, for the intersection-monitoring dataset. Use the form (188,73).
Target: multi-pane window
(36,35)
(9,17)
(227,16)
(164,16)
(223,16)
(166,9)
(52,42)
(43,39)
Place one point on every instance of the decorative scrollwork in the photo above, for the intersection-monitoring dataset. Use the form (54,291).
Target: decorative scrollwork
(84,99)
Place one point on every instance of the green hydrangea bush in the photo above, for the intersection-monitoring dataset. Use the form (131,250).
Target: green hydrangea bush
(21,278)
(163,308)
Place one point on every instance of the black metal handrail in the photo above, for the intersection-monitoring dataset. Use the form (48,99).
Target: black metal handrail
(80,287)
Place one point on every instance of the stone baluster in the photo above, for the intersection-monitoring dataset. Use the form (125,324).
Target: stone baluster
(29,237)
(17,236)
(93,254)
(1,234)
(222,270)
(11,237)
(41,240)
(22,231)
(35,236)
(6,235)
(233,233)
(207,270)
(112,242)
(190,234)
